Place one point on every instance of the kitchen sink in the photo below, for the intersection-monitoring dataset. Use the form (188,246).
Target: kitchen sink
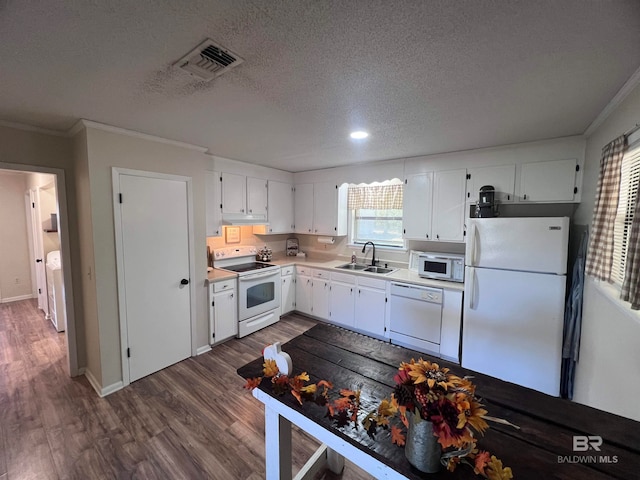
(381,270)
(353,266)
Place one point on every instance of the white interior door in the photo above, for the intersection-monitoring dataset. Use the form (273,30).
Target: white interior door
(155,261)
(38,252)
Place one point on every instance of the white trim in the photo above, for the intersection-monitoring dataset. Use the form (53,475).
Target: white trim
(132,133)
(31,128)
(65,250)
(16,299)
(117,220)
(627,88)
(203,349)
(101,391)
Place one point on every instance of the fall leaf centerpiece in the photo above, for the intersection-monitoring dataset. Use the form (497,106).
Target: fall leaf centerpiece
(430,393)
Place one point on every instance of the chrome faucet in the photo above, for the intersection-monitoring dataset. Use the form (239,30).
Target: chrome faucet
(373,257)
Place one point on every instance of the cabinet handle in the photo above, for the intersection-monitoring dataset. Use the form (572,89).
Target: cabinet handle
(231,295)
(250,211)
(437,237)
(427,235)
(242,210)
(525,196)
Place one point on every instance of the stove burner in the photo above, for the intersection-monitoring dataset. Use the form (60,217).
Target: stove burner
(247,267)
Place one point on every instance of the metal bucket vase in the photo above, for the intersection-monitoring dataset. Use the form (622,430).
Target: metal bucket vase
(422,448)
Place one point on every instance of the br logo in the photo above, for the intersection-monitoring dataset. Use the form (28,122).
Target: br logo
(582,443)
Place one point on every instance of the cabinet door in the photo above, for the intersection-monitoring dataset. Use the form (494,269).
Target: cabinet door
(303,208)
(501,177)
(370,310)
(213,204)
(280,206)
(417,205)
(304,294)
(320,298)
(234,193)
(325,208)
(342,304)
(548,181)
(288,294)
(449,205)
(256,196)
(225,315)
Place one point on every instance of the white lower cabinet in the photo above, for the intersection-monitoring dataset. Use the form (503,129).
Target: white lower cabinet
(288,290)
(320,297)
(370,306)
(304,290)
(342,299)
(223,310)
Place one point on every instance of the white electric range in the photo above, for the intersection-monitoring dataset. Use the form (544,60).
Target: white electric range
(258,287)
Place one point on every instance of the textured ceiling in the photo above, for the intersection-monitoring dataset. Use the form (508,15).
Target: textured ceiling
(421,76)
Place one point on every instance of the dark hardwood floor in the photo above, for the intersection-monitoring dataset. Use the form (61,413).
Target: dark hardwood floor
(192,420)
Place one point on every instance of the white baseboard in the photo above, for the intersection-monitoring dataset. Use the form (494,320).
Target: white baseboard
(203,349)
(16,299)
(101,391)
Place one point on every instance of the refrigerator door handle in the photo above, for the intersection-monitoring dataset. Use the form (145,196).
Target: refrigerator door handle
(472,289)
(474,233)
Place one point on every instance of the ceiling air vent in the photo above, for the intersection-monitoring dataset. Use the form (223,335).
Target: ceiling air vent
(208,60)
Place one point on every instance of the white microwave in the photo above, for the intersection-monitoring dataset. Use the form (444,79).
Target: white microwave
(441,266)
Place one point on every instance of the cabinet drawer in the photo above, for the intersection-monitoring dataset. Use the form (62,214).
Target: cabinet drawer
(303,270)
(223,285)
(343,277)
(287,270)
(372,282)
(322,274)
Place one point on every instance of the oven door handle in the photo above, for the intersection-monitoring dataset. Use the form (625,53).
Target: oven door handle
(253,276)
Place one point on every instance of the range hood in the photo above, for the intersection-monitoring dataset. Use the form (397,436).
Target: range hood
(238,219)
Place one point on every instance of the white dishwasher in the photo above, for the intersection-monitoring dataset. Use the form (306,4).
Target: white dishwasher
(416,317)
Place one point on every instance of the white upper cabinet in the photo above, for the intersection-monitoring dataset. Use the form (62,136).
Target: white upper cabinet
(449,188)
(416,206)
(501,177)
(213,207)
(257,196)
(434,206)
(303,208)
(234,194)
(552,182)
(244,199)
(321,208)
(280,202)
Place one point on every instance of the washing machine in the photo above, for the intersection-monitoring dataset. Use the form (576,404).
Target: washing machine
(55,290)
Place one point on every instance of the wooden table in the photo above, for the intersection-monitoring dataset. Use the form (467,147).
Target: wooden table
(542,448)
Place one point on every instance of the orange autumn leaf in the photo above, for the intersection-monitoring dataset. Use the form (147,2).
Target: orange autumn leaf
(325,383)
(252,383)
(270,368)
(481,461)
(397,436)
(342,403)
(347,393)
(297,395)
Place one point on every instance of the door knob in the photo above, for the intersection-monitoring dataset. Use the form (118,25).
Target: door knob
(184,281)
(38,260)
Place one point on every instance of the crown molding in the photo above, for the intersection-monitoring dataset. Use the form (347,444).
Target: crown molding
(627,88)
(31,128)
(83,123)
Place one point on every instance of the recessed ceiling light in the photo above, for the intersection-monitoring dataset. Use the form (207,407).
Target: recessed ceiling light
(359,135)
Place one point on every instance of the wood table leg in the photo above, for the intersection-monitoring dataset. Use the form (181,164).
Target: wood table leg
(277,446)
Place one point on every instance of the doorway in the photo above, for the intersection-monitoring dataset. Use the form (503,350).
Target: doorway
(154,241)
(21,256)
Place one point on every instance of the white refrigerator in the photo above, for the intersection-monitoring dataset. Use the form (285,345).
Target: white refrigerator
(514,296)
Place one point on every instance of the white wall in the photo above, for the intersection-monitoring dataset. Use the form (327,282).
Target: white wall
(15,268)
(107,149)
(607,375)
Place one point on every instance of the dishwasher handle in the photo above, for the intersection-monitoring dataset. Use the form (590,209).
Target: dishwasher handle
(424,294)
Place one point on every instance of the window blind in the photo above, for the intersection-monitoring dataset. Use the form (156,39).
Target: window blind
(629,181)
